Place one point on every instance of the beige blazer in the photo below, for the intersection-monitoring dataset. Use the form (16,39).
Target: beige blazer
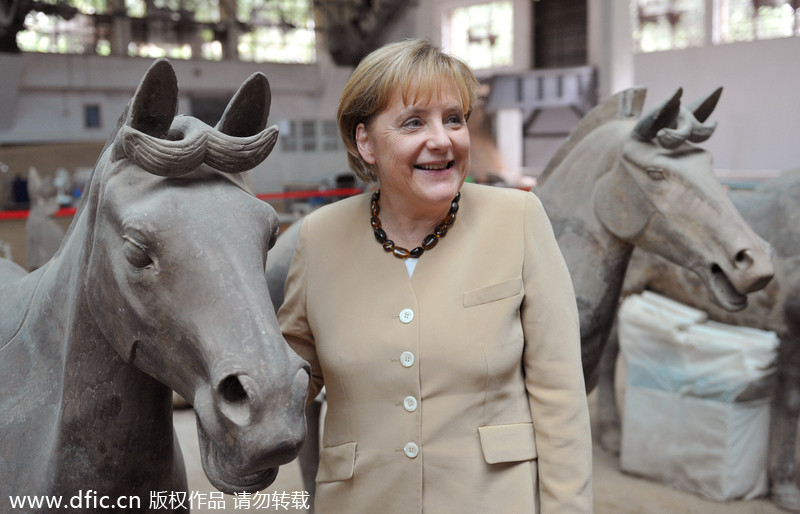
(458,390)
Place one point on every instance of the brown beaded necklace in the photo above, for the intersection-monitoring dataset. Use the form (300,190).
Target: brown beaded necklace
(427,243)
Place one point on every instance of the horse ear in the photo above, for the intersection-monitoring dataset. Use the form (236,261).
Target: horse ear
(155,102)
(703,107)
(663,116)
(248,110)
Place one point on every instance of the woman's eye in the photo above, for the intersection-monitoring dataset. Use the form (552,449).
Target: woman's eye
(656,173)
(455,119)
(412,123)
(136,255)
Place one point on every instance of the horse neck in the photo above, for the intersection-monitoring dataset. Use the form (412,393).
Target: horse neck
(568,195)
(114,422)
(596,258)
(100,394)
(120,391)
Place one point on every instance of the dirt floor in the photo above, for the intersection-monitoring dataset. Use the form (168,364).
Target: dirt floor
(615,492)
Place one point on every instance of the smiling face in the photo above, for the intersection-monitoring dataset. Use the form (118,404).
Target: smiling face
(419,149)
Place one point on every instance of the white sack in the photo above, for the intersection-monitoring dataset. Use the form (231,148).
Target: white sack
(672,347)
(682,423)
(714,449)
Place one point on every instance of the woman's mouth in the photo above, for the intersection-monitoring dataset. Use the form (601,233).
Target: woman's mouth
(435,167)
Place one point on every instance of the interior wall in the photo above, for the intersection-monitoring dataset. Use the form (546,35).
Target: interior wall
(45,105)
(758,113)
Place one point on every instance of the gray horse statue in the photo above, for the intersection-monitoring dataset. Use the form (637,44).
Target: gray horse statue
(773,210)
(623,180)
(157,286)
(43,234)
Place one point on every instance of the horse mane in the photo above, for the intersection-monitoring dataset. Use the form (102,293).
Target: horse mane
(623,105)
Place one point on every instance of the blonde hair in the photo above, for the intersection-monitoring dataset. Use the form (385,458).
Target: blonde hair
(415,68)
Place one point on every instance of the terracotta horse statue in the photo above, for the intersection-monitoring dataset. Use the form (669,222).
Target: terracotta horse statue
(43,234)
(157,286)
(624,180)
(773,210)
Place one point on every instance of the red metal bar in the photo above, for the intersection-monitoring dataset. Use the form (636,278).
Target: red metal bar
(347,191)
(64,212)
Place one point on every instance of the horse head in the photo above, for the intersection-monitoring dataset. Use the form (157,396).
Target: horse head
(662,195)
(175,274)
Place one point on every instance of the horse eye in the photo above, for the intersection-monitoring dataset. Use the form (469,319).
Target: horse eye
(136,255)
(656,173)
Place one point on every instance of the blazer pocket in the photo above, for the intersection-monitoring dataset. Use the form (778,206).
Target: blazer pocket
(493,293)
(508,443)
(337,463)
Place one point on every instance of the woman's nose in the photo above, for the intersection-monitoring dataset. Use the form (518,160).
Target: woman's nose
(438,138)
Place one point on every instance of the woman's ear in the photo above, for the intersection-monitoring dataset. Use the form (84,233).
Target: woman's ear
(364,144)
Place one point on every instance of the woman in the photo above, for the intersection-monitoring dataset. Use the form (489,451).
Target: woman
(439,315)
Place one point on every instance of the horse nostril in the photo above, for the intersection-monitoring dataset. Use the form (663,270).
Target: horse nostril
(744,260)
(235,404)
(232,390)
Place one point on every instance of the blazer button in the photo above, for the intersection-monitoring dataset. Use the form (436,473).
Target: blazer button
(407,359)
(410,403)
(411,450)
(406,315)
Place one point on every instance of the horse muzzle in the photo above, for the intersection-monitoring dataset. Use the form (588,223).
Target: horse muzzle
(247,428)
(730,283)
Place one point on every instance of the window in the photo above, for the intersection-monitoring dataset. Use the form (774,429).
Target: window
(54,34)
(310,136)
(481,34)
(331,141)
(274,31)
(91,116)
(668,24)
(282,31)
(676,24)
(747,20)
(287,136)
(560,34)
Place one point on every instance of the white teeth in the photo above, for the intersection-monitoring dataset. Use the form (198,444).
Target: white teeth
(433,167)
